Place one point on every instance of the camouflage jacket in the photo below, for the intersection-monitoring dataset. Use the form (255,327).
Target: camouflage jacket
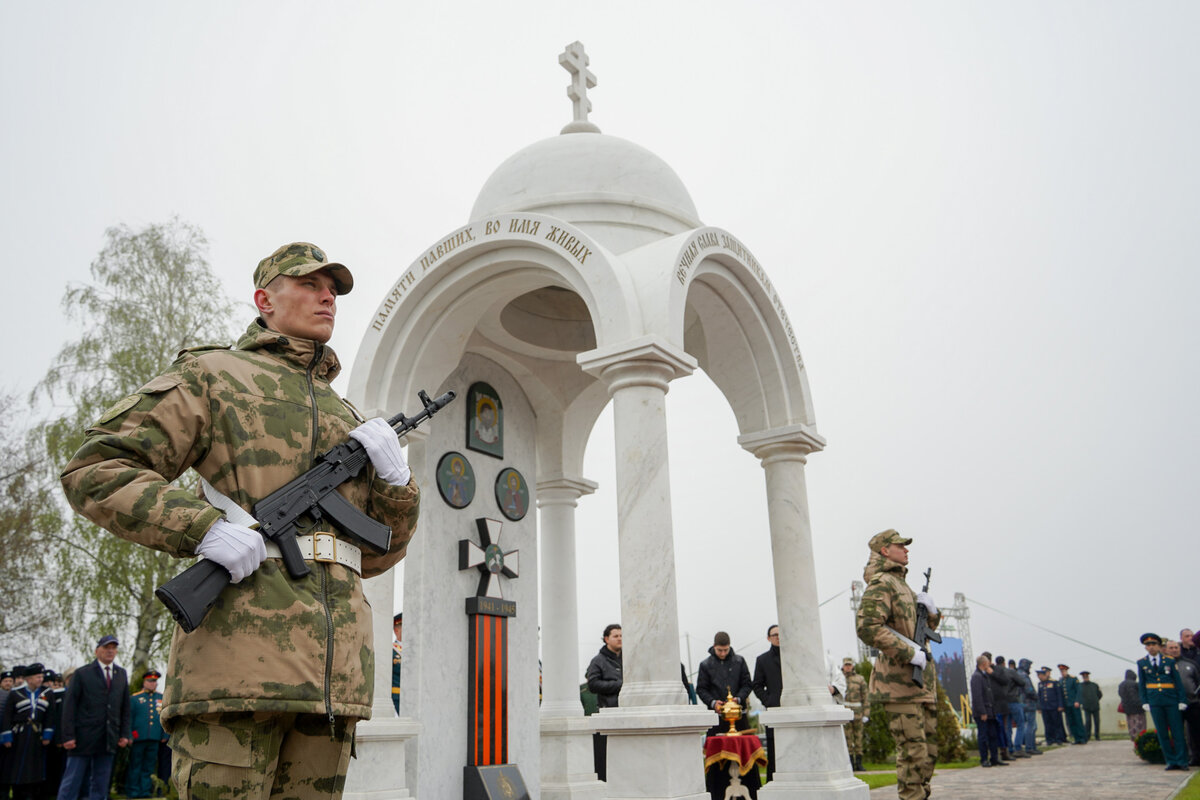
(888,602)
(856,695)
(248,420)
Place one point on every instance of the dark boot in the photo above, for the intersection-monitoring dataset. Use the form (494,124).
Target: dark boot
(858,767)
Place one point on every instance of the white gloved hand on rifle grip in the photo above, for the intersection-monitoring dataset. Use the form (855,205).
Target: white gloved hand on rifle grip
(235,547)
(383,448)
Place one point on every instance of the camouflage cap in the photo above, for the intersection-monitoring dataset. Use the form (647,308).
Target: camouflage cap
(301,258)
(847,660)
(882,540)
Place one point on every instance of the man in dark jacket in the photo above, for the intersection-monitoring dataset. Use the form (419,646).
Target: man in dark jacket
(1002,686)
(1189,676)
(604,680)
(987,729)
(95,723)
(724,672)
(768,686)
(1089,703)
(1030,699)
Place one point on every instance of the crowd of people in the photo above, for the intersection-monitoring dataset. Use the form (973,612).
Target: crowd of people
(61,733)
(1166,685)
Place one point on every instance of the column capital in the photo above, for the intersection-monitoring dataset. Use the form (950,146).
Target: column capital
(646,361)
(562,490)
(789,441)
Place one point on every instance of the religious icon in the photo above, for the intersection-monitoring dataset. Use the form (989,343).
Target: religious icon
(456,479)
(512,494)
(485,420)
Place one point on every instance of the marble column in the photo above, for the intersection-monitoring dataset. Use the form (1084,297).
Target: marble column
(378,773)
(568,772)
(654,736)
(810,750)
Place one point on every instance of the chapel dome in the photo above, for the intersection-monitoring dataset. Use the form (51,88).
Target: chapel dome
(617,191)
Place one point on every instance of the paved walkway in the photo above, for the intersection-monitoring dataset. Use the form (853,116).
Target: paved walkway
(1104,770)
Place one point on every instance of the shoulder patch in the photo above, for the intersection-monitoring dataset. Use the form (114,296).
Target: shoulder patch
(119,408)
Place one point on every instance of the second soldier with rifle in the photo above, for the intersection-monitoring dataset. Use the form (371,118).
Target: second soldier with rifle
(903,678)
(263,697)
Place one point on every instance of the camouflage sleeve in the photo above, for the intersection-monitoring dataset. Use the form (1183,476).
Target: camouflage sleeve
(397,507)
(874,612)
(121,476)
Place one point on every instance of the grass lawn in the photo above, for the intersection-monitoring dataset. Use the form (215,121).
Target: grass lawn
(1191,790)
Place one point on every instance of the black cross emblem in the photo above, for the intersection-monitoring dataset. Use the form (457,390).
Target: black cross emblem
(489,559)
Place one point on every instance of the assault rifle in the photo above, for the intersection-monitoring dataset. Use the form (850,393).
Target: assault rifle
(924,635)
(190,595)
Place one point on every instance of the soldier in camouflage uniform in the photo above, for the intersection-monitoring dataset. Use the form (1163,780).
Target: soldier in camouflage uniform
(887,619)
(262,699)
(856,701)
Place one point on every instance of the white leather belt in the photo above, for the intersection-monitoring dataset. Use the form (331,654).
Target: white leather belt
(322,547)
(325,548)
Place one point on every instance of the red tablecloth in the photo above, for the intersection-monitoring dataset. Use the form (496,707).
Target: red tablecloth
(746,750)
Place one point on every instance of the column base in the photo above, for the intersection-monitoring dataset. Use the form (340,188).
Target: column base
(654,752)
(378,771)
(568,768)
(811,760)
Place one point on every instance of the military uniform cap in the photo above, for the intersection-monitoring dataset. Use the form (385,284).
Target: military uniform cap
(1043,669)
(8,673)
(1084,672)
(1150,638)
(301,258)
(19,671)
(1063,666)
(34,669)
(152,673)
(882,540)
(398,618)
(847,660)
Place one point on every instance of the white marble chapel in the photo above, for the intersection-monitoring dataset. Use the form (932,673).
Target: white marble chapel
(584,277)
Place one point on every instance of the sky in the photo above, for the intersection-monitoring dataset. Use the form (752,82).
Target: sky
(981,219)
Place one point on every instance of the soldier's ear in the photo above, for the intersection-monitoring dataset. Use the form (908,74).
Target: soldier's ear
(262,301)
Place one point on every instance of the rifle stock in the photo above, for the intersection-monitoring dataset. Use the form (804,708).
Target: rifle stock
(190,595)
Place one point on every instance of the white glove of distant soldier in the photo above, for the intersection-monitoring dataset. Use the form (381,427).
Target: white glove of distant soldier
(1183,706)
(235,547)
(1146,707)
(919,659)
(383,448)
(925,599)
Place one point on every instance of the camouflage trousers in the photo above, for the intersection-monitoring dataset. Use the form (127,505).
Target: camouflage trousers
(854,735)
(914,727)
(260,755)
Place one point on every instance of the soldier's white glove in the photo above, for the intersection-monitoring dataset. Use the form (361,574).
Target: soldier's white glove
(919,659)
(1183,706)
(235,547)
(383,448)
(925,599)
(866,719)
(1146,707)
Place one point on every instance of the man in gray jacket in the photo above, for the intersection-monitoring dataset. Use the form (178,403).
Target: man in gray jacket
(1189,676)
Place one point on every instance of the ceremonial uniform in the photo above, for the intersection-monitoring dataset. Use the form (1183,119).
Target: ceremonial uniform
(887,617)
(396,675)
(1070,690)
(856,701)
(1050,703)
(1160,688)
(24,735)
(144,710)
(1089,702)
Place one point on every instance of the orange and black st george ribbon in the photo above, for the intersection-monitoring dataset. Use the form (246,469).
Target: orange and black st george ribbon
(487,700)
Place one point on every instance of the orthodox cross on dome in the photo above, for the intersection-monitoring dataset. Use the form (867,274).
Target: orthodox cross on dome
(575,61)
(489,559)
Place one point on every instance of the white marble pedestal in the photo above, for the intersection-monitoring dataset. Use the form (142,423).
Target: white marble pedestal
(810,755)
(378,771)
(568,767)
(655,752)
